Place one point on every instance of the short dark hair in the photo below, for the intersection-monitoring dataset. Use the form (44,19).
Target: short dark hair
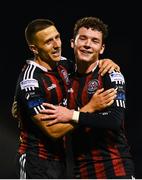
(91,22)
(34,26)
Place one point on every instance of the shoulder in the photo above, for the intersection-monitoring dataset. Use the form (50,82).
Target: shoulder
(113,79)
(68,64)
(30,76)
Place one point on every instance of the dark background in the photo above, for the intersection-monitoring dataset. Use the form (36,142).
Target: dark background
(123,46)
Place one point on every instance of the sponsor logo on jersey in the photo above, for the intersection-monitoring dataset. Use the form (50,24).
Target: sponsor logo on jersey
(31,95)
(64,102)
(116,76)
(51,87)
(70,90)
(28,83)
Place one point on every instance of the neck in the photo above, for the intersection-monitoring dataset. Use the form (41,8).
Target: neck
(85,67)
(48,66)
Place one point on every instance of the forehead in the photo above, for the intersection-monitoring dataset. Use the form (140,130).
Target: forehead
(47,33)
(89,32)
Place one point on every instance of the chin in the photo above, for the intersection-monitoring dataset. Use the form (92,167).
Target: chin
(84,60)
(57,58)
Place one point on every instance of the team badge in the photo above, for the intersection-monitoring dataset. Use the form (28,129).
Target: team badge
(93,86)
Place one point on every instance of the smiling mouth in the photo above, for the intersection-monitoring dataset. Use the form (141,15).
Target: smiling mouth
(85,52)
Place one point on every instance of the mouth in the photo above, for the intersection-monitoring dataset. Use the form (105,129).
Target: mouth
(56,53)
(85,52)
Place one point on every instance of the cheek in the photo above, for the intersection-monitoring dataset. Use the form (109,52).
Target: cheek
(97,49)
(45,53)
(47,50)
(77,47)
(80,43)
(60,43)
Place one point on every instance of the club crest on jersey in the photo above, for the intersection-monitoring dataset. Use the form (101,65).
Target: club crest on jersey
(65,76)
(93,86)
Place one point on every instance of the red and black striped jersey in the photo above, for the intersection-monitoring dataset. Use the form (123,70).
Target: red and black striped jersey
(99,142)
(37,85)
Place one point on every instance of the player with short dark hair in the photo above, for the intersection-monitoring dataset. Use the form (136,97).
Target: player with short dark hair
(45,78)
(99,142)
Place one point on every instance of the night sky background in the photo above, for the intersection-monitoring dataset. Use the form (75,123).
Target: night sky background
(123,46)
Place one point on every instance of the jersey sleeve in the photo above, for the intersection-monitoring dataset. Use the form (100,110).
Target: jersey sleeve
(112,116)
(30,95)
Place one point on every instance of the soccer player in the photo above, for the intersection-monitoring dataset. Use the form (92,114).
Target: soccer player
(43,79)
(99,142)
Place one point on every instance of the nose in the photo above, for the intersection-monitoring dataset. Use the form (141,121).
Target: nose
(56,43)
(87,43)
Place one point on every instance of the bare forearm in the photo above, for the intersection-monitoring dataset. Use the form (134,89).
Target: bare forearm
(54,131)
(58,130)
(87,108)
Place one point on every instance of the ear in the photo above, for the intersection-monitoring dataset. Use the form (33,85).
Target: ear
(72,43)
(102,49)
(33,49)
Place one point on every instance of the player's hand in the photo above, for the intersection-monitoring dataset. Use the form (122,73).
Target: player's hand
(100,100)
(56,114)
(107,65)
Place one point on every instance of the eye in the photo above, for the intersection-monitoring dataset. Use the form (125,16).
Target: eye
(49,41)
(82,37)
(58,36)
(96,41)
